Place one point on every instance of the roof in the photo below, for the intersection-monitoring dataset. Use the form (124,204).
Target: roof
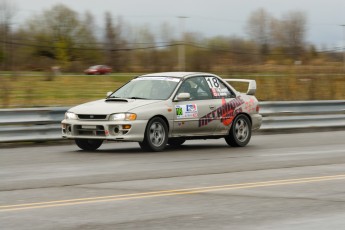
(172,74)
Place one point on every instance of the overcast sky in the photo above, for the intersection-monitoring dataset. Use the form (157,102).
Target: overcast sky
(210,18)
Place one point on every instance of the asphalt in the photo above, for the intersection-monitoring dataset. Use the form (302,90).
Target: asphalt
(279,181)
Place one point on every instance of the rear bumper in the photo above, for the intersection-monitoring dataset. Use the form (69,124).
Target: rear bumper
(256,121)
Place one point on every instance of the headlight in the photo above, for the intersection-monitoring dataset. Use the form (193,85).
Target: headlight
(123,117)
(71,116)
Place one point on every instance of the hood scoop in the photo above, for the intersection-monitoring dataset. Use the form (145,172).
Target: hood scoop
(116,99)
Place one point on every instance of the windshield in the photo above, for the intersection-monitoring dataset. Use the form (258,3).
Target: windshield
(151,88)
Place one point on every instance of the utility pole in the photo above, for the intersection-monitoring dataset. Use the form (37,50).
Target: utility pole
(181,47)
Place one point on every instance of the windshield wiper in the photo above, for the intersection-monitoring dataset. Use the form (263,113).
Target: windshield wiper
(138,98)
(123,98)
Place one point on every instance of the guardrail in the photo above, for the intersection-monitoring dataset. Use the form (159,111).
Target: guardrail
(31,124)
(43,124)
(290,115)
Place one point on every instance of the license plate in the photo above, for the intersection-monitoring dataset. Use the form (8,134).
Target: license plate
(88,126)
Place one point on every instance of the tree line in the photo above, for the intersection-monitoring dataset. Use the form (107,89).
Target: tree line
(62,37)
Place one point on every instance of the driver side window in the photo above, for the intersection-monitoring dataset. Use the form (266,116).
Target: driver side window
(197,88)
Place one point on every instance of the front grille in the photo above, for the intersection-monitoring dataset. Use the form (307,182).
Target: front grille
(91,117)
(88,130)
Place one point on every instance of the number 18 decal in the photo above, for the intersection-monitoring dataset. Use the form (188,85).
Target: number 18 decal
(214,85)
(212,82)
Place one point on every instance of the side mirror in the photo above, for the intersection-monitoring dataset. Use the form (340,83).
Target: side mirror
(109,93)
(183,96)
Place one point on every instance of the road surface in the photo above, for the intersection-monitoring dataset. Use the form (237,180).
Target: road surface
(281,181)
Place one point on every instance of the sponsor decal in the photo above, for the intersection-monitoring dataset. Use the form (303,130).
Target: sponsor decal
(250,105)
(225,113)
(214,86)
(191,108)
(179,124)
(215,92)
(186,111)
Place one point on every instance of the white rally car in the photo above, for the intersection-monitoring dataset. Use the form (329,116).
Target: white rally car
(166,108)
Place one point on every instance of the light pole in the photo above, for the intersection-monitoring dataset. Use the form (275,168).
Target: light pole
(181,47)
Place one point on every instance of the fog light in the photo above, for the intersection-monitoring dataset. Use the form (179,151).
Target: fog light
(116,129)
(126,126)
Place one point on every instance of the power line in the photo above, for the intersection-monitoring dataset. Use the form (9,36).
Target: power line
(164,45)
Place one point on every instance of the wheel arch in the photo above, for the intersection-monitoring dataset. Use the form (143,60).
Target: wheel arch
(235,140)
(147,143)
(164,119)
(247,115)
(242,113)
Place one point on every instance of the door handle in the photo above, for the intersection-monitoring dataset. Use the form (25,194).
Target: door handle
(212,107)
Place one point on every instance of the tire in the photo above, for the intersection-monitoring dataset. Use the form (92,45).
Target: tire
(88,144)
(176,142)
(240,132)
(156,135)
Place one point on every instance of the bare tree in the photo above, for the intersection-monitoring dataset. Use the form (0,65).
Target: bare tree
(289,33)
(167,32)
(148,58)
(7,13)
(113,42)
(60,37)
(55,31)
(167,59)
(88,48)
(259,30)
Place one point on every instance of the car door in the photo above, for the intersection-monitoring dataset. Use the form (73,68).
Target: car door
(193,117)
(227,106)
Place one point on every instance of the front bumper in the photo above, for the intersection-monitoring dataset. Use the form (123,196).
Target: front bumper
(105,130)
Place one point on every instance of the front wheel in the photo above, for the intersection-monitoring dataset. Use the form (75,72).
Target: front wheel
(88,144)
(156,135)
(240,132)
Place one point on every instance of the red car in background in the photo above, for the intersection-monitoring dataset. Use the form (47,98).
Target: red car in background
(98,69)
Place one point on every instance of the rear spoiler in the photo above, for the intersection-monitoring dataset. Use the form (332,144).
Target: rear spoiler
(251,87)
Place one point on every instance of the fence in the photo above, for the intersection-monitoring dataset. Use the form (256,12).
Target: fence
(43,124)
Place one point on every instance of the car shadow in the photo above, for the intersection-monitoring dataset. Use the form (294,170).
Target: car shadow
(132,148)
(169,149)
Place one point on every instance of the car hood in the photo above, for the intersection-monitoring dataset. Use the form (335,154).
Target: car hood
(111,106)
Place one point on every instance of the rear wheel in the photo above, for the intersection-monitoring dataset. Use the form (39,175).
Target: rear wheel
(156,135)
(240,132)
(88,144)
